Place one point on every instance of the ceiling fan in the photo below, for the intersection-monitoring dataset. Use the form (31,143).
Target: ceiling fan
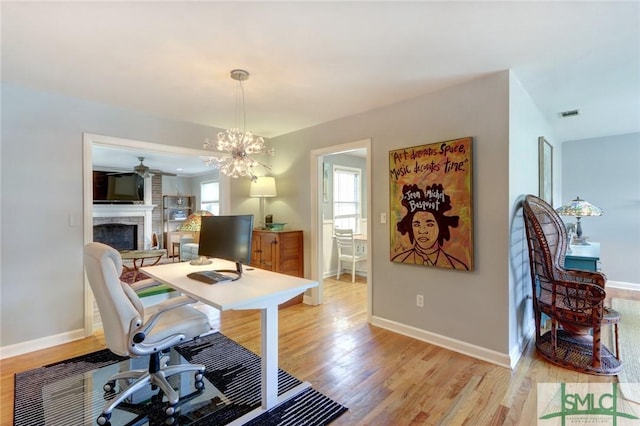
(146,172)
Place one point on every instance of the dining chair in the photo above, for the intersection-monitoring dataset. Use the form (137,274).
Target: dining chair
(347,251)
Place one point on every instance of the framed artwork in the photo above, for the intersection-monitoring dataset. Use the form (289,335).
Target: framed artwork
(431,211)
(545,170)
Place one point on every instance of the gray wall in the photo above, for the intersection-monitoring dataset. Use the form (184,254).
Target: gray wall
(458,304)
(461,305)
(605,172)
(187,185)
(42,137)
(41,277)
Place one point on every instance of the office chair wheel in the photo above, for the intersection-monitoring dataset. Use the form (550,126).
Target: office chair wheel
(199,380)
(109,386)
(103,419)
(171,410)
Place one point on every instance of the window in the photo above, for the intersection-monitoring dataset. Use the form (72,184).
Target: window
(210,197)
(346,198)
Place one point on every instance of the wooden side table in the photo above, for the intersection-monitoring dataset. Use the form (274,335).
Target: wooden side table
(141,255)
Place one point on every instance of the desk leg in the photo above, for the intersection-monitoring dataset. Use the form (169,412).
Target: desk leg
(269,368)
(269,352)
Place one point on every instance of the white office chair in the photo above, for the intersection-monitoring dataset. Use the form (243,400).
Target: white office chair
(131,330)
(347,251)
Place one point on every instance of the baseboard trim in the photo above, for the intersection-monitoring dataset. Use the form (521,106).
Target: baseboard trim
(484,354)
(307,300)
(332,274)
(623,285)
(518,350)
(43,343)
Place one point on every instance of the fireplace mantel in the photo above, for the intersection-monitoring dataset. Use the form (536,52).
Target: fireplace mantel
(121,210)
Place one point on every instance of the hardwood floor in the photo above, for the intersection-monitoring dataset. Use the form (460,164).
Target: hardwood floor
(384,378)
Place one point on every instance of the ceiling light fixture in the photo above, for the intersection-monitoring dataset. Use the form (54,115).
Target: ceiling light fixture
(238,144)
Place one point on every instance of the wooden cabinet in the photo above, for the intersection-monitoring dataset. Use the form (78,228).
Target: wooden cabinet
(279,251)
(175,209)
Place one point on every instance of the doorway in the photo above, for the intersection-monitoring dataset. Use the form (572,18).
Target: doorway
(318,231)
(89,142)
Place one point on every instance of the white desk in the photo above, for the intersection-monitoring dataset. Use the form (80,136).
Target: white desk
(257,289)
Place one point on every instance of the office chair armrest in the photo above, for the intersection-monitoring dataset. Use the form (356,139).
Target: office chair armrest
(144,284)
(139,332)
(171,303)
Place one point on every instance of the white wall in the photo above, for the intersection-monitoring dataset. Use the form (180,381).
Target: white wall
(605,172)
(526,125)
(41,279)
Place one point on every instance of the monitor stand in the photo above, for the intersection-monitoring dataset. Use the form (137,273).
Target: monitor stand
(201,260)
(238,271)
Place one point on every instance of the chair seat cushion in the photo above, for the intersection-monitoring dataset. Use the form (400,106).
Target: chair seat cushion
(184,319)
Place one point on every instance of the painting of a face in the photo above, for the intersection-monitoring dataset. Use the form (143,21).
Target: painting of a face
(425,229)
(431,204)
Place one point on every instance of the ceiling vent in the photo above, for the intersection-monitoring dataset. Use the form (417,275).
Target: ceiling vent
(570,113)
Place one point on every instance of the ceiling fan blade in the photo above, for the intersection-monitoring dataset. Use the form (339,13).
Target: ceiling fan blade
(160,172)
(146,172)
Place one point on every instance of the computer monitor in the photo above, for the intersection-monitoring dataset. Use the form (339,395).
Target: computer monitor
(227,237)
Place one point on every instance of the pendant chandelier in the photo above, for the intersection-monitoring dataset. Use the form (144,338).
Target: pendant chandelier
(237,145)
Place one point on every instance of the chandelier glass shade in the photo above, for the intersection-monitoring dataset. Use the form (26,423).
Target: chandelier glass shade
(236,144)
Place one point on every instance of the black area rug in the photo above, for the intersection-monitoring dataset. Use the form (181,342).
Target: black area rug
(70,392)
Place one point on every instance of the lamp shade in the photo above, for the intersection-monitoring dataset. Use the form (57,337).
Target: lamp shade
(579,208)
(263,186)
(193,223)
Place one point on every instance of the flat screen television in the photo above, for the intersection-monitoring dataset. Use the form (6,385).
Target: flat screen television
(226,237)
(117,188)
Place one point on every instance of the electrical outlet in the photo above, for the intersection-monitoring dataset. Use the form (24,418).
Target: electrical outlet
(420,300)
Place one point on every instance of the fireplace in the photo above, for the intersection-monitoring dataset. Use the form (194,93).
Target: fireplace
(120,236)
(131,214)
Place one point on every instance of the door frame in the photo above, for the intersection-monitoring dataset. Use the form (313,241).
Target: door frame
(88,141)
(316,191)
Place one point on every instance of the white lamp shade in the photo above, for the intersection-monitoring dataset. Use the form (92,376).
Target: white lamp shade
(264,186)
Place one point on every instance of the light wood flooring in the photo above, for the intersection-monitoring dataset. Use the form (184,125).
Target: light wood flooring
(384,378)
